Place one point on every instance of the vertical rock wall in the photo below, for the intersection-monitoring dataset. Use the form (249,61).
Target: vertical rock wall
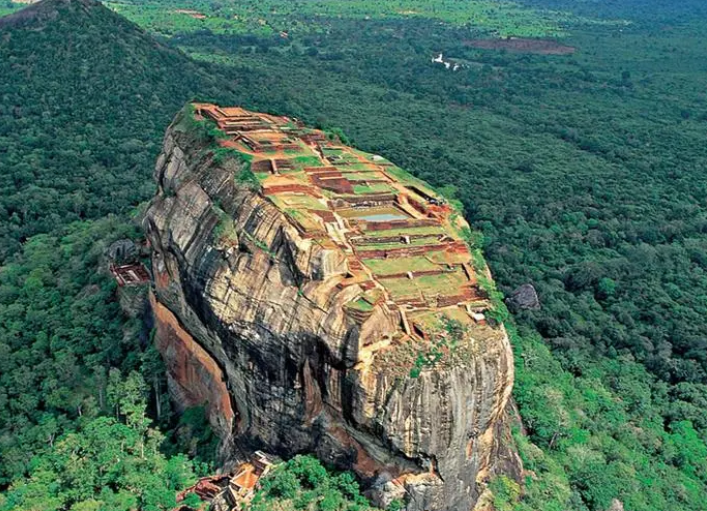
(194,378)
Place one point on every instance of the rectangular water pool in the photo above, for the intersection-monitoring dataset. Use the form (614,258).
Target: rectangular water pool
(383,217)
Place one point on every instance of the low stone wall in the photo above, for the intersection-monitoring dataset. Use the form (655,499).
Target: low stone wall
(454,247)
(422,208)
(335,184)
(416,302)
(275,190)
(325,215)
(383,199)
(359,316)
(446,301)
(322,170)
(393,224)
(262,166)
(404,274)
(369,240)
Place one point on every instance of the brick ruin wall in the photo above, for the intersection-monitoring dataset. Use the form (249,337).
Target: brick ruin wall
(455,247)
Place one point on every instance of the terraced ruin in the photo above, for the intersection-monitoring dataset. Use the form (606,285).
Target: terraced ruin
(403,242)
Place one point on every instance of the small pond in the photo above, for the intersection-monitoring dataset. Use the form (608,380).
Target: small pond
(383,217)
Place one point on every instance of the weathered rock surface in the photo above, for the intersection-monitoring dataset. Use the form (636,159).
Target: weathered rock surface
(524,297)
(253,326)
(123,251)
(616,505)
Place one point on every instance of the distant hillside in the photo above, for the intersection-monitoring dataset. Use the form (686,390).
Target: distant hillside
(643,10)
(86,96)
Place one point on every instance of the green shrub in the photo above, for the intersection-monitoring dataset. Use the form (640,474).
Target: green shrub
(505,493)
(303,483)
(248,178)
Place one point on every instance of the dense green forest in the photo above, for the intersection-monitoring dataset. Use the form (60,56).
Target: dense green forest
(584,171)
(85,102)
(303,483)
(86,99)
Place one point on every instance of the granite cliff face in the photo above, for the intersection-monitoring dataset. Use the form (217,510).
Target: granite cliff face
(255,321)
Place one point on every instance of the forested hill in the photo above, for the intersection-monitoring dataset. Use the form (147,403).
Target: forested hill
(85,99)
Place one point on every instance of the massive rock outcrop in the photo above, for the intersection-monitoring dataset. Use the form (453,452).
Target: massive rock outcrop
(255,321)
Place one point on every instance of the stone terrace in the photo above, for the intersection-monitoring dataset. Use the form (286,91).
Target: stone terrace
(402,240)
